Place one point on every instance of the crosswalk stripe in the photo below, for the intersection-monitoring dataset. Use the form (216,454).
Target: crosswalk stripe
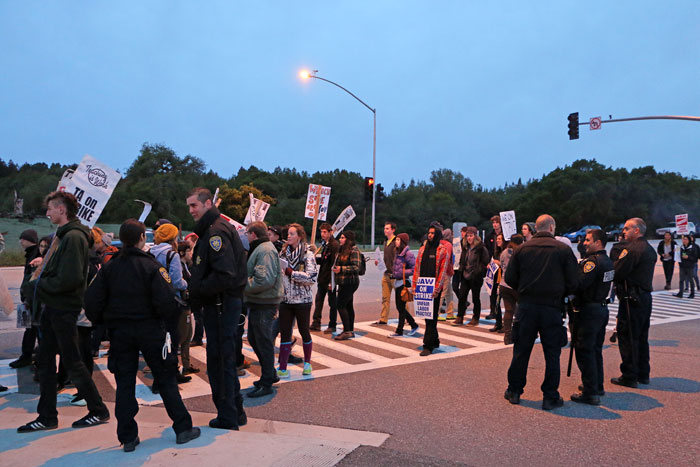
(341,347)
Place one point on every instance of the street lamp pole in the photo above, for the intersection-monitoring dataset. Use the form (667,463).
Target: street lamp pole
(307,74)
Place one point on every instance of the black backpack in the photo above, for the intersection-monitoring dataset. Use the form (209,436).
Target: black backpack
(363,264)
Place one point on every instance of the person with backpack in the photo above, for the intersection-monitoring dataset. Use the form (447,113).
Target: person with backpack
(347,270)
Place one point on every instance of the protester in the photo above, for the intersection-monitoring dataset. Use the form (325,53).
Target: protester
(28,239)
(472,269)
(528,230)
(197,312)
(696,247)
(490,240)
(432,261)
(689,259)
(387,283)
(325,257)
(133,296)
(274,232)
(509,296)
(185,254)
(218,280)
(457,247)
(299,275)
(494,297)
(667,251)
(543,271)
(347,277)
(59,286)
(263,294)
(634,274)
(446,304)
(404,263)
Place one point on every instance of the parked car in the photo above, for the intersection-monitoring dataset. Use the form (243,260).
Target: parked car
(580,234)
(614,231)
(671,227)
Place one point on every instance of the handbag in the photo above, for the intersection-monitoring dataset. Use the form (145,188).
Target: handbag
(406,294)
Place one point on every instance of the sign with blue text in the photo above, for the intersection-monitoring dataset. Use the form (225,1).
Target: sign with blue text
(423,298)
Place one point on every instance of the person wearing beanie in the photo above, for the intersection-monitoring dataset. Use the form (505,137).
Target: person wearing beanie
(161,222)
(29,240)
(432,261)
(404,264)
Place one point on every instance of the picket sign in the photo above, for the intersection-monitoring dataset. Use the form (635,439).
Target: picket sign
(491,271)
(682,227)
(508,225)
(343,220)
(317,201)
(256,211)
(92,183)
(423,297)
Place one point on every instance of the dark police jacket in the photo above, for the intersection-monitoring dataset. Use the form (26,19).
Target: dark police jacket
(596,274)
(543,271)
(635,265)
(133,287)
(219,260)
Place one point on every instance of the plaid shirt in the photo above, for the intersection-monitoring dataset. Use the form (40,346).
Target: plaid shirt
(349,268)
(442,260)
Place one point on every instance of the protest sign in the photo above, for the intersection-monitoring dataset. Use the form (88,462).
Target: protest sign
(423,298)
(490,278)
(256,211)
(682,224)
(92,183)
(317,201)
(343,220)
(508,225)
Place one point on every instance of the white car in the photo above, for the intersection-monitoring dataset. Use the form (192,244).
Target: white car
(671,227)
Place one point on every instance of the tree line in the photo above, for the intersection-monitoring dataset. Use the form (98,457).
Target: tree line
(585,192)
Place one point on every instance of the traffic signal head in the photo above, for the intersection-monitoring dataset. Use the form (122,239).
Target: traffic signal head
(369,188)
(573,126)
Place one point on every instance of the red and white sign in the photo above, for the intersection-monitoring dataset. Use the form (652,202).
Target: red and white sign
(316,191)
(682,224)
(596,123)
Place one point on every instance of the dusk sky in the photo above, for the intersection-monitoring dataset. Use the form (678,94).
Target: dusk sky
(483,88)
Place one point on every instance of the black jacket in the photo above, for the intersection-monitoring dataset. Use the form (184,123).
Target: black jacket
(132,287)
(596,274)
(325,260)
(543,271)
(473,261)
(635,264)
(219,260)
(689,256)
(29,254)
(660,250)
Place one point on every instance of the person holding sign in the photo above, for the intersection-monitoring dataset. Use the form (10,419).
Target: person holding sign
(404,264)
(347,277)
(432,262)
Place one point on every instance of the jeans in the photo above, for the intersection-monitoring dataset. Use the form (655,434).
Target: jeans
(221,358)
(125,344)
(589,337)
(260,337)
(633,336)
(60,335)
(318,306)
(531,320)
(686,279)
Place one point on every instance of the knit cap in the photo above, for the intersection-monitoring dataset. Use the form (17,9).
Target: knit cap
(166,233)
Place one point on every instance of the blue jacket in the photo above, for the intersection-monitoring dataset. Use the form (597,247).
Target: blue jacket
(160,252)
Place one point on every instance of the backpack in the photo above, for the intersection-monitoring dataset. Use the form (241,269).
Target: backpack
(363,264)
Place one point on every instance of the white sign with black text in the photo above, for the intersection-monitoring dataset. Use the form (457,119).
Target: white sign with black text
(509,226)
(423,297)
(92,183)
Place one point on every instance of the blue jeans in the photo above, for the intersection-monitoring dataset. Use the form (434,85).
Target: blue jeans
(262,340)
(221,358)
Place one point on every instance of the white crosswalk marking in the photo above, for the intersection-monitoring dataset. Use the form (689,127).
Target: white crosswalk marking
(370,349)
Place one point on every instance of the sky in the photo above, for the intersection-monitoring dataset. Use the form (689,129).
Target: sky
(482,88)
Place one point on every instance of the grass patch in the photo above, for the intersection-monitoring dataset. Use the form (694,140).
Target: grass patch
(12,258)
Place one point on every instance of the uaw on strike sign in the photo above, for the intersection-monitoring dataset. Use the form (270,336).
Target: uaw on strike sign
(92,183)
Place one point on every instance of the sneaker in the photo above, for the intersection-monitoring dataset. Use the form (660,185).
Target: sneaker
(307,369)
(131,445)
(396,334)
(78,400)
(37,425)
(187,436)
(413,331)
(283,373)
(450,316)
(91,420)
(329,331)
(442,317)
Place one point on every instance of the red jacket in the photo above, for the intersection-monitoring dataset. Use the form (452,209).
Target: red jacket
(442,259)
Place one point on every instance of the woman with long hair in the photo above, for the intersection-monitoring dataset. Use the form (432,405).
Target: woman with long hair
(347,277)
(508,294)
(299,275)
(667,251)
(404,262)
(528,230)
(495,298)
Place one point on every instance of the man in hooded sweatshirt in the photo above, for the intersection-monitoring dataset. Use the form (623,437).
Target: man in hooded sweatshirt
(432,261)
(58,285)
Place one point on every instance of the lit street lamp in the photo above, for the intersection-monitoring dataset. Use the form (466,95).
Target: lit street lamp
(306,74)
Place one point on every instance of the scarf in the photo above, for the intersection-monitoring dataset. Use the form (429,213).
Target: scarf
(294,255)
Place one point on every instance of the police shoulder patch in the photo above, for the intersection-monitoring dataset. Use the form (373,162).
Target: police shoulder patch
(215,243)
(165,274)
(623,253)
(588,266)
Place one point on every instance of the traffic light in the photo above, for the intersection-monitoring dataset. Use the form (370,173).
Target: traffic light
(369,189)
(573,126)
(380,192)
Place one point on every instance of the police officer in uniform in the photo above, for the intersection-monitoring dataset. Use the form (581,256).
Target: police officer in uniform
(634,273)
(219,276)
(596,273)
(132,295)
(543,271)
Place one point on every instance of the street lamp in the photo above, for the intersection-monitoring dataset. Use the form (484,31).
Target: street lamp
(306,74)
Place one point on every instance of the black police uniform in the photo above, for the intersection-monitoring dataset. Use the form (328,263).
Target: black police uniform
(219,276)
(543,271)
(596,274)
(132,296)
(634,273)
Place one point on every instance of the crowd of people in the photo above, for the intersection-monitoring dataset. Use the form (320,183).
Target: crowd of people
(81,291)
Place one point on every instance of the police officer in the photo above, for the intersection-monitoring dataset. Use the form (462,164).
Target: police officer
(218,279)
(596,273)
(132,295)
(634,273)
(543,271)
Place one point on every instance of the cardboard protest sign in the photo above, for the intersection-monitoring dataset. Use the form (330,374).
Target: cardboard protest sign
(682,227)
(423,298)
(508,225)
(343,220)
(490,278)
(256,211)
(318,195)
(92,183)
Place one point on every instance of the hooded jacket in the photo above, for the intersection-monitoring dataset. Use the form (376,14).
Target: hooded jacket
(441,264)
(161,252)
(474,260)
(63,279)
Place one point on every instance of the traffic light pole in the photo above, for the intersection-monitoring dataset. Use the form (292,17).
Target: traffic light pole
(655,117)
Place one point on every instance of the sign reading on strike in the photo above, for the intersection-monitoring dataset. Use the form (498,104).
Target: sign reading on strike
(316,192)
(682,224)
(423,298)
(92,183)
